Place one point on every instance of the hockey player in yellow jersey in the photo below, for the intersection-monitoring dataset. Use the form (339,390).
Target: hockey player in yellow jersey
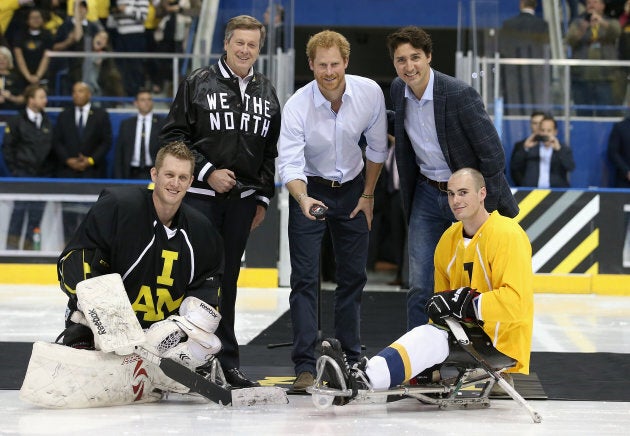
(483,274)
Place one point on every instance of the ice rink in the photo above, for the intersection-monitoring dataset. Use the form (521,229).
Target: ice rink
(563,323)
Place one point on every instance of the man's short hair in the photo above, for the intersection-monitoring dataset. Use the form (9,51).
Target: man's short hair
(476,175)
(244,22)
(529,4)
(548,117)
(30,90)
(413,35)
(143,91)
(328,39)
(178,150)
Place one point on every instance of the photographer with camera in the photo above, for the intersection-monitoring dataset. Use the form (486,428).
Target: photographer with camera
(542,161)
(593,36)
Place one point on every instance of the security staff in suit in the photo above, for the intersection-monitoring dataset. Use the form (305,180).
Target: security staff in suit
(440,126)
(81,139)
(138,140)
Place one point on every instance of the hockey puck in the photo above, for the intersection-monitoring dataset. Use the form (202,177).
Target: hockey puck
(318,211)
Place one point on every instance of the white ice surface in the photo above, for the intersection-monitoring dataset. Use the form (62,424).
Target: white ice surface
(567,323)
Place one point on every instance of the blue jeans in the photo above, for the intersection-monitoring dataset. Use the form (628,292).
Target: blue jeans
(350,239)
(430,217)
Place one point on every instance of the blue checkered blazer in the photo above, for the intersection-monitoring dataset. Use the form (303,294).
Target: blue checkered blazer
(467,137)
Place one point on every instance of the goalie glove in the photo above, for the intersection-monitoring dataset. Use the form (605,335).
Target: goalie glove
(457,303)
(187,338)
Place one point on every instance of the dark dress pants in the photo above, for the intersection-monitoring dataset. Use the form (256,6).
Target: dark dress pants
(232,216)
(350,239)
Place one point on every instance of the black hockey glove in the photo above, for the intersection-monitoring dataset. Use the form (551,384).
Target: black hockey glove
(456,303)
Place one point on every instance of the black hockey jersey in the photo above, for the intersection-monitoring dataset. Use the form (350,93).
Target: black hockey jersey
(159,267)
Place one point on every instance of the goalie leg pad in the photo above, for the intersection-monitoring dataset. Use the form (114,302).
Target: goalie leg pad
(107,309)
(64,377)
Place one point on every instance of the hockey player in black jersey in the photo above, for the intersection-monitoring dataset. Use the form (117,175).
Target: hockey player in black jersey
(164,250)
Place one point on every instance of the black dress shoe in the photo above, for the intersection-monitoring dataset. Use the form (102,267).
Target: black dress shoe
(237,379)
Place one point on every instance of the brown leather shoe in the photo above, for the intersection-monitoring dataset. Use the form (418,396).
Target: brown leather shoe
(303,380)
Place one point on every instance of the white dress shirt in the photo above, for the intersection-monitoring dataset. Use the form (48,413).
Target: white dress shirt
(420,127)
(544,168)
(35,117)
(242,81)
(315,141)
(77,113)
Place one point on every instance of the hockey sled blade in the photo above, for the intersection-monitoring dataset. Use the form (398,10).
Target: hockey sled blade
(195,382)
(258,396)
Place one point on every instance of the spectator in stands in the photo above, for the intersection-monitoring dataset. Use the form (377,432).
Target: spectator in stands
(619,152)
(594,36)
(75,34)
(152,66)
(624,38)
(82,138)
(130,16)
(28,152)
(30,49)
(54,12)
(544,162)
(11,19)
(172,32)
(524,36)
(102,74)
(138,140)
(11,85)
(276,29)
(516,171)
(624,45)
(96,8)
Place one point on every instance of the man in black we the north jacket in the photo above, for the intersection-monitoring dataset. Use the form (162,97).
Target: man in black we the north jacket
(229,116)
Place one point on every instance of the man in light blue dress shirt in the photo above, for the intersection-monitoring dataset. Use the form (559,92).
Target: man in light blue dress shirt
(440,126)
(321,163)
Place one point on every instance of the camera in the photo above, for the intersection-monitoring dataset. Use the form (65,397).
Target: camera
(541,138)
(588,17)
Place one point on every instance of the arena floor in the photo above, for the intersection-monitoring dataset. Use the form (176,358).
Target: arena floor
(563,323)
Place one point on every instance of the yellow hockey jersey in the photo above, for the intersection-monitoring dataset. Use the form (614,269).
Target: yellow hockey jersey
(497,262)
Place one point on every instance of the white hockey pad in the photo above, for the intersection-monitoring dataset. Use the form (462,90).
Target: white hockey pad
(200,314)
(65,377)
(107,309)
